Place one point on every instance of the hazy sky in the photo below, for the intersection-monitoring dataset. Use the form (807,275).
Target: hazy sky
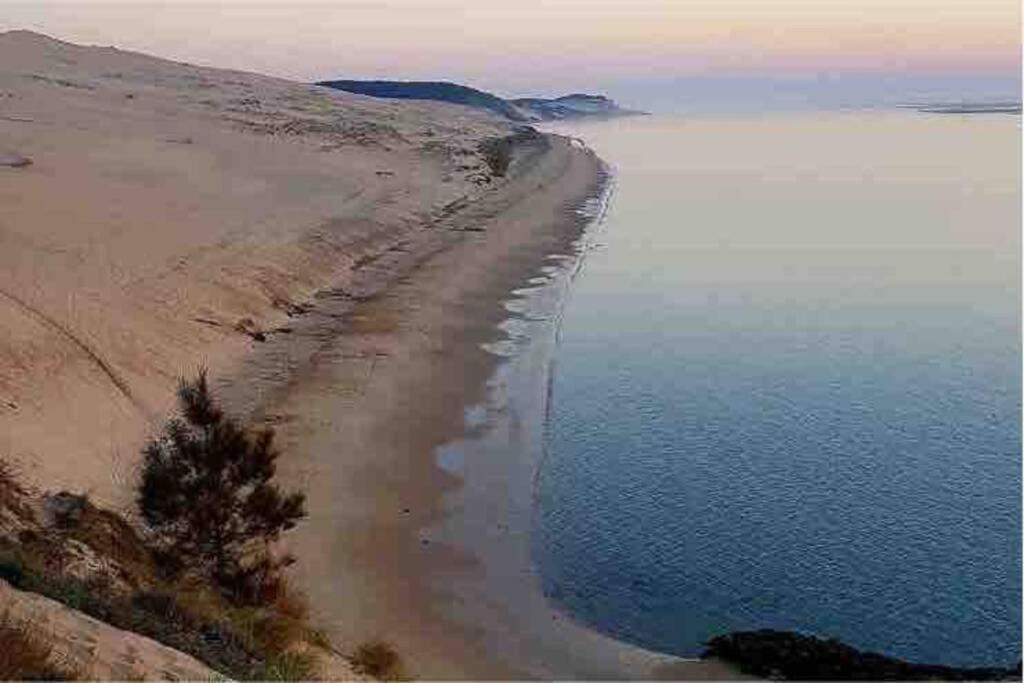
(645,51)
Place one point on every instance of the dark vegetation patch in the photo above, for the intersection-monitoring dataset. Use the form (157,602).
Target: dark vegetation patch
(210,502)
(498,152)
(784,655)
(180,616)
(203,577)
(379,660)
(438,91)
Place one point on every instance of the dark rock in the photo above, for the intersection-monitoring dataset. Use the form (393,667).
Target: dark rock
(784,655)
(64,510)
(12,160)
(248,326)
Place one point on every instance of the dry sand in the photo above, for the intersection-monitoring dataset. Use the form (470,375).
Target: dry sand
(167,211)
(336,260)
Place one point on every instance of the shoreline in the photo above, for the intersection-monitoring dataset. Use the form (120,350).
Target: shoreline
(388,384)
(491,514)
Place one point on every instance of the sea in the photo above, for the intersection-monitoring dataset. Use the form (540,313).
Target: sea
(780,387)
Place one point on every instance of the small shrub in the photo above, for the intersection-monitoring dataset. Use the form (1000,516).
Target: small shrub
(292,666)
(208,495)
(378,659)
(12,571)
(497,152)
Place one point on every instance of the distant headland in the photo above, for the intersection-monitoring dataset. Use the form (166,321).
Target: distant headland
(967,107)
(525,109)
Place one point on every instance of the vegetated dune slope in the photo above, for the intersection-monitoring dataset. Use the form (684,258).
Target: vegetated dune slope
(173,215)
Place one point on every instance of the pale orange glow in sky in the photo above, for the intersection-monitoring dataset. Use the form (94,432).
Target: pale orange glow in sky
(530,44)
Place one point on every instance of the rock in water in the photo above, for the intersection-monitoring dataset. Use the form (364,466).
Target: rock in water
(785,655)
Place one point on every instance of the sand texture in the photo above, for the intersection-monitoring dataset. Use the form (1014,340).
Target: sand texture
(156,215)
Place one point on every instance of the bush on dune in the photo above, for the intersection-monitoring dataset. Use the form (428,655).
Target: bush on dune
(208,496)
(379,660)
(204,579)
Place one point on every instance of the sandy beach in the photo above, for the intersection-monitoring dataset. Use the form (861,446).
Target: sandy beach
(338,262)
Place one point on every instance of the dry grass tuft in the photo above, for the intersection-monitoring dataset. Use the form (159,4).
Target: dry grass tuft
(380,660)
(293,666)
(26,655)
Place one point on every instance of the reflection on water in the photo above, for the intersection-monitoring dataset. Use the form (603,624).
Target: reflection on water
(787,391)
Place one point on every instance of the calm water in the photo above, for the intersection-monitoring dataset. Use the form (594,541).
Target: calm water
(787,388)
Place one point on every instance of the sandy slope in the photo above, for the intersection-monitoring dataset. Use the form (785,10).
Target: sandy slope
(168,210)
(95,650)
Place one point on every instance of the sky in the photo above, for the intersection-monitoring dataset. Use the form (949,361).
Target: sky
(661,54)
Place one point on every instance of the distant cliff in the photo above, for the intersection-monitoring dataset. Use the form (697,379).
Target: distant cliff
(526,109)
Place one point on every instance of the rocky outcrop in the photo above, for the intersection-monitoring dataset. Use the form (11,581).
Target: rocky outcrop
(784,655)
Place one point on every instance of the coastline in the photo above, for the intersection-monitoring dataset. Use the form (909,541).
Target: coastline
(491,514)
(390,382)
(386,385)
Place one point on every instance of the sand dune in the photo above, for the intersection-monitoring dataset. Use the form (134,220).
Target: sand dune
(170,215)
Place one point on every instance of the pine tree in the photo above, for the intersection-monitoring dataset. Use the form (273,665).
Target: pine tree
(207,494)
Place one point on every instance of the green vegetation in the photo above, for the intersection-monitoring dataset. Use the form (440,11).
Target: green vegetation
(207,494)
(497,152)
(242,642)
(202,579)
